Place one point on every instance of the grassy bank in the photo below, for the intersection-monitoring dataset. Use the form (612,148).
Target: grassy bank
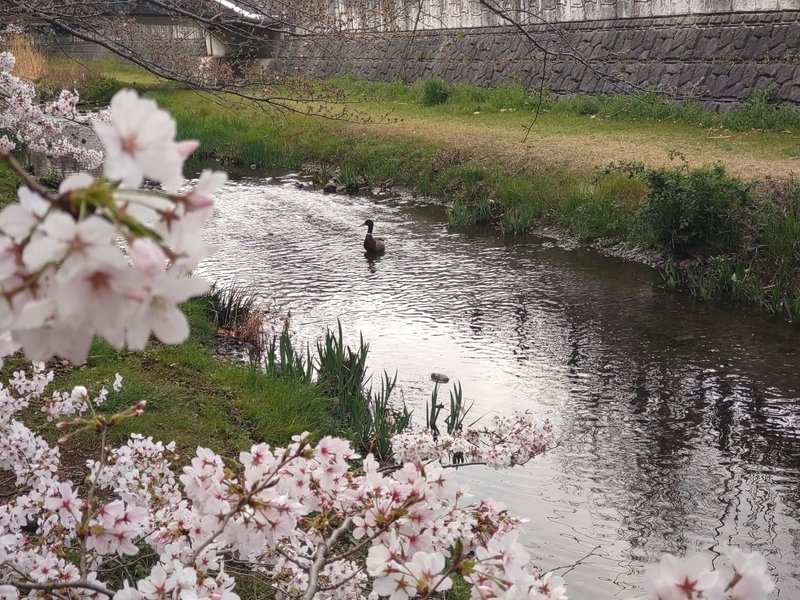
(643,171)
(723,235)
(8,185)
(195,398)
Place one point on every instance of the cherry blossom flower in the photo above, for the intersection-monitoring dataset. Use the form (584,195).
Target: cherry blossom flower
(690,578)
(202,196)
(68,505)
(76,246)
(140,143)
(751,578)
(158,311)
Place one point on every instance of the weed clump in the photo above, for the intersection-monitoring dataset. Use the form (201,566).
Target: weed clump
(100,90)
(435,92)
(367,417)
(693,212)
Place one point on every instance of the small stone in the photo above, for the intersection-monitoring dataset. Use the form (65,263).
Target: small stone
(439,378)
(329,187)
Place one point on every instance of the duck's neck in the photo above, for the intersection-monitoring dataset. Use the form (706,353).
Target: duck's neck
(369,229)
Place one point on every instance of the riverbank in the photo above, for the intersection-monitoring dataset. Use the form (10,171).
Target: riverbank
(193,396)
(720,204)
(712,193)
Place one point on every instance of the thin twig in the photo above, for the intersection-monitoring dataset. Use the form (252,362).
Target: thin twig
(26,177)
(321,559)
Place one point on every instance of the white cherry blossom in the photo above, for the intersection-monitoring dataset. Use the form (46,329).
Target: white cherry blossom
(690,578)
(140,143)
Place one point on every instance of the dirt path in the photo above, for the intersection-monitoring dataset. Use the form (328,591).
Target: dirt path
(582,144)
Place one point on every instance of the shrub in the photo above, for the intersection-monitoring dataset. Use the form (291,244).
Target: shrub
(100,90)
(691,212)
(628,191)
(435,92)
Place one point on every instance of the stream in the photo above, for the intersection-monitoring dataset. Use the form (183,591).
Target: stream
(678,421)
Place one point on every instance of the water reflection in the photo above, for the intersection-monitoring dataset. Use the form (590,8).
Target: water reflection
(678,420)
(372,262)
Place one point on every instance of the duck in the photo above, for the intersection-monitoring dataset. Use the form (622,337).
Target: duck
(373,245)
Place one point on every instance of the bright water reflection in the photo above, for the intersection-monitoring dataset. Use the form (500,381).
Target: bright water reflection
(679,420)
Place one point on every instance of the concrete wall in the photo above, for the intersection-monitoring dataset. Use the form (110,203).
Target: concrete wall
(719,59)
(406,15)
(169,38)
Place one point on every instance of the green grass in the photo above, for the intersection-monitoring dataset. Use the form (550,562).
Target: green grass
(759,112)
(8,185)
(195,398)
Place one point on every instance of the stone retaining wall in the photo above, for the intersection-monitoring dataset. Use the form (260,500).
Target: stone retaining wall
(719,59)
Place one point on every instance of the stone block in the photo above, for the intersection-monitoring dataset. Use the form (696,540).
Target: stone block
(754,5)
(710,6)
(794,93)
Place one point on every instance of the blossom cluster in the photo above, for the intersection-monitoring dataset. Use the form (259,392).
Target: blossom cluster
(105,256)
(298,518)
(38,125)
(506,442)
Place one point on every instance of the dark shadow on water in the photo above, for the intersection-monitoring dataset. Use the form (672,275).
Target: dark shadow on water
(372,261)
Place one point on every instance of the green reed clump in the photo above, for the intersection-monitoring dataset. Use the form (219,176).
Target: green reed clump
(458,411)
(365,416)
(342,372)
(282,360)
(383,420)
(230,306)
(434,92)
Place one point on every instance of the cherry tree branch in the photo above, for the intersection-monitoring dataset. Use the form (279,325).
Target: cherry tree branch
(63,585)
(322,558)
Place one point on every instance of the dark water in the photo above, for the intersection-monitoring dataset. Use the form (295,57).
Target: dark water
(678,421)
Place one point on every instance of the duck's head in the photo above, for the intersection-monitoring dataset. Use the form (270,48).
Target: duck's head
(369,225)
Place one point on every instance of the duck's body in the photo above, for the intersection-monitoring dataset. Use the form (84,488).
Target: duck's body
(373,245)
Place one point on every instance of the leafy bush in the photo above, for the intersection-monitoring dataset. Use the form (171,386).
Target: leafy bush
(100,90)
(51,179)
(763,110)
(435,92)
(691,212)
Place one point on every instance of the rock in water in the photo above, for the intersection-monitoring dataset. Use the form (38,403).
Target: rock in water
(440,378)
